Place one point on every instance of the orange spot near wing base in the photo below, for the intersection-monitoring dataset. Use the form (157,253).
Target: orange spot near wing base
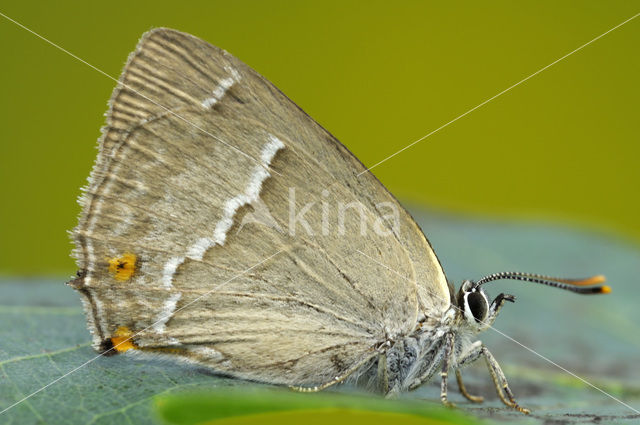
(122,340)
(124,267)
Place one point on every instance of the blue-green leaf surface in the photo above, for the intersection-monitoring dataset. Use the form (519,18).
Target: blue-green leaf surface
(43,336)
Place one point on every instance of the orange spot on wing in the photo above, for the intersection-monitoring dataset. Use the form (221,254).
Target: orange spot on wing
(122,340)
(122,268)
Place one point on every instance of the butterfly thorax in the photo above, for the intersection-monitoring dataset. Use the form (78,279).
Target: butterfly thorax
(413,360)
(411,356)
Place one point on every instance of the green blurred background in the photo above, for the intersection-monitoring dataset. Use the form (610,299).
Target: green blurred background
(562,146)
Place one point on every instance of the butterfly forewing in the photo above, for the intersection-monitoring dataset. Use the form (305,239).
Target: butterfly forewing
(196,146)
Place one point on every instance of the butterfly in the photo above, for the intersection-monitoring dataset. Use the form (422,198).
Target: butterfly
(223,226)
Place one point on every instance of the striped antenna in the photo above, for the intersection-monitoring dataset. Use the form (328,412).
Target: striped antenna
(579,286)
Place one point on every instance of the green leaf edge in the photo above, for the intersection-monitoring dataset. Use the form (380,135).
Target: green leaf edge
(191,408)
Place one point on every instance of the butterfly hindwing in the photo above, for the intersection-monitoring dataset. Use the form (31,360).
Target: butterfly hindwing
(169,246)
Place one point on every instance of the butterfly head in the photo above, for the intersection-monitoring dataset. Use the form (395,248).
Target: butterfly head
(478,313)
(474,306)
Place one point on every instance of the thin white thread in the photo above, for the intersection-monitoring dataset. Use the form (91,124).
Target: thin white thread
(136,334)
(499,94)
(251,194)
(368,169)
(168,310)
(132,89)
(508,337)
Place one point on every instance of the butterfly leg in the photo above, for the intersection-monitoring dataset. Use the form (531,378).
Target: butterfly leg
(448,353)
(463,390)
(499,380)
(382,379)
(336,380)
(429,371)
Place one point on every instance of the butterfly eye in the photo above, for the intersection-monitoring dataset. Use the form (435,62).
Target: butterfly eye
(477,304)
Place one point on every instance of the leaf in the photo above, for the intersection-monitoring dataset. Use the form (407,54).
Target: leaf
(198,408)
(43,336)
